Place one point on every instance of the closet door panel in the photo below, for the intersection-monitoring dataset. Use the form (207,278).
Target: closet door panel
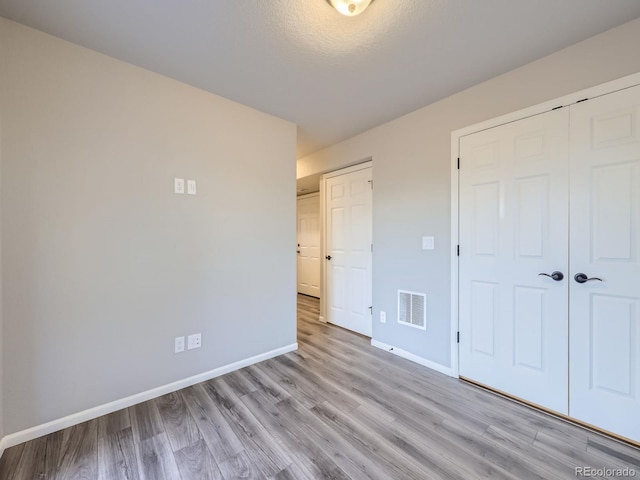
(605,246)
(513,226)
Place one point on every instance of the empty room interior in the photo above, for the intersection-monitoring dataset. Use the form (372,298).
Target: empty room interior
(346,239)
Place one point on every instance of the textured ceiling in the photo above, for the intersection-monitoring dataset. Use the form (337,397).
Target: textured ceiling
(300,60)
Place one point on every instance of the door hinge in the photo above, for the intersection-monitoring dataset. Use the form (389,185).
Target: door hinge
(371,310)
(458,337)
(370,183)
(372,248)
(458,163)
(458,250)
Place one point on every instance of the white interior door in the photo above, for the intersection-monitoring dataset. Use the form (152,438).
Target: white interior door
(513,226)
(605,243)
(309,245)
(348,250)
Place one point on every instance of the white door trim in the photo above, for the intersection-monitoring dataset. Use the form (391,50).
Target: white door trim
(323,253)
(360,166)
(368,163)
(564,101)
(304,197)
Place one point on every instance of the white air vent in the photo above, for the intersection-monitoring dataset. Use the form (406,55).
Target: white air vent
(412,309)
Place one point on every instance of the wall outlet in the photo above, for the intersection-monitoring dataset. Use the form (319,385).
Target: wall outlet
(179,345)
(383,316)
(194,341)
(191,187)
(178,185)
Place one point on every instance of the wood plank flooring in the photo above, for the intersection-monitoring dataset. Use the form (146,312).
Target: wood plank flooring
(336,409)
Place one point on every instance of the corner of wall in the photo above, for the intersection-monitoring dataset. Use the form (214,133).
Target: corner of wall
(2,25)
(1,303)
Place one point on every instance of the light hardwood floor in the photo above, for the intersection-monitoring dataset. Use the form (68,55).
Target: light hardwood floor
(337,409)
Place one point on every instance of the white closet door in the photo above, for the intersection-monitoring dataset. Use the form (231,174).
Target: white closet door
(348,264)
(513,226)
(605,243)
(309,245)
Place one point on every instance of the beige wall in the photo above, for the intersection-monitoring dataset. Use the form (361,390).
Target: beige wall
(411,170)
(103,264)
(1,307)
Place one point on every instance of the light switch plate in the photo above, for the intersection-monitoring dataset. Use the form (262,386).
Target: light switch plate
(191,187)
(178,185)
(383,316)
(428,243)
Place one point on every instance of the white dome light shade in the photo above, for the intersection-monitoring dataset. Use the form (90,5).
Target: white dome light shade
(350,8)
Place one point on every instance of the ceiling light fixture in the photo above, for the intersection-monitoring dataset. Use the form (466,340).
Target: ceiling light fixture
(350,8)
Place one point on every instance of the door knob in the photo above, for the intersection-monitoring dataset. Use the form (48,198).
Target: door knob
(557,276)
(582,278)
(328,257)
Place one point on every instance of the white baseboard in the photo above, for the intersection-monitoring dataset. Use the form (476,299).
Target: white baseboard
(321,318)
(95,412)
(414,358)
(2,446)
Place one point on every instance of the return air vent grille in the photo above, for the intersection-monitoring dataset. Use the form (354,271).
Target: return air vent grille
(412,309)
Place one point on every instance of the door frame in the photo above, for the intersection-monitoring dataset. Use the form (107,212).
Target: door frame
(560,102)
(302,197)
(368,163)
